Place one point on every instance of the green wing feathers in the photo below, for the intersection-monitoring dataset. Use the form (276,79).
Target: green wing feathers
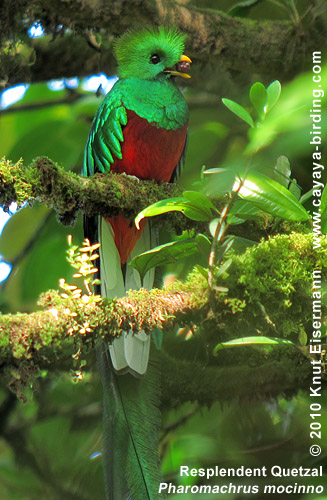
(106,135)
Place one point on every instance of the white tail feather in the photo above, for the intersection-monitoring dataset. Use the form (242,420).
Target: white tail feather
(129,353)
(112,281)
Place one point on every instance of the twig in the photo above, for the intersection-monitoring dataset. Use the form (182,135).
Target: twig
(220,231)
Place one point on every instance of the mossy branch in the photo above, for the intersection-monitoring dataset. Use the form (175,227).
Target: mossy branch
(67,192)
(83,321)
(283,373)
(37,340)
(269,293)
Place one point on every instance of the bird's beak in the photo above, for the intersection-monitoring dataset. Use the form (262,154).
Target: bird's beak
(181,68)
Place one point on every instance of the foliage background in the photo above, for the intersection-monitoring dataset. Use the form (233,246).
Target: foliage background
(47,444)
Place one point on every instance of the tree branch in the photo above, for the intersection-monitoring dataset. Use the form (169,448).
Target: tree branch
(64,320)
(280,373)
(233,44)
(67,192)
(65,330)
(260,380)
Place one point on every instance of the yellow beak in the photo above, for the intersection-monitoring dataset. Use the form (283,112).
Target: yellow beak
(183,59)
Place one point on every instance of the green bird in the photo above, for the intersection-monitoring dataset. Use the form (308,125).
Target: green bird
(140,129)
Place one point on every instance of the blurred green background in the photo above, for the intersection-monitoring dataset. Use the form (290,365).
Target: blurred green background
(47,444)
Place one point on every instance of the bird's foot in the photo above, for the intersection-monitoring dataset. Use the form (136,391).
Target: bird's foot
(131,176)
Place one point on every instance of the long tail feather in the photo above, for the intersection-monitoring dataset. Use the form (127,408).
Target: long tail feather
(129,353)
(131,426)
(140,401)
(131,405)
(115,444)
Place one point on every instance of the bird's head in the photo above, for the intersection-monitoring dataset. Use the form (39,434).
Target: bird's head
(152,54)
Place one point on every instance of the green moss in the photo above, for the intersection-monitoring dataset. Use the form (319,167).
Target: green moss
(274,278)
(67,192)
(13,184)
(269,293)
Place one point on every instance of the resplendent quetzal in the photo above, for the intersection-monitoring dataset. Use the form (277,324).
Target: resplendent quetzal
(140,129)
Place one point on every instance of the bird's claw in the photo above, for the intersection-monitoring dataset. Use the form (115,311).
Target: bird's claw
(131,176)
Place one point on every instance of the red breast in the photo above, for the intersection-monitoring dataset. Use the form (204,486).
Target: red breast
(149,152)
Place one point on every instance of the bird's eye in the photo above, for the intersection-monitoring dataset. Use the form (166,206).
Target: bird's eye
(155,59)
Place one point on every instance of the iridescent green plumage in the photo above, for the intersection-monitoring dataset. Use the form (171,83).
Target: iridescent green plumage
(140,129)
(143,88)
(134,49)
(131,427)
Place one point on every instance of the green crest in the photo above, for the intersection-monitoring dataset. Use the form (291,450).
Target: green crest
(147,52)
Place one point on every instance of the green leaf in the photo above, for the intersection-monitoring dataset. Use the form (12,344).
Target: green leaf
(303,337)
(273,94)
(223,268)
(323,206)
(199,200)
(196,214)
(202,270)
(161,207)
(163,254)
(241,244)
(213,226)
(242,211)
(218,180)
(251,341)
(258,97)
(223,246)
(223,249)
(271,197)
(186,235)
(306,196)
(295,189)
(282,174)
(239,111)
(241,9)
(197,209)
(287,122)
(197,206)
(282,171)
(204,245)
